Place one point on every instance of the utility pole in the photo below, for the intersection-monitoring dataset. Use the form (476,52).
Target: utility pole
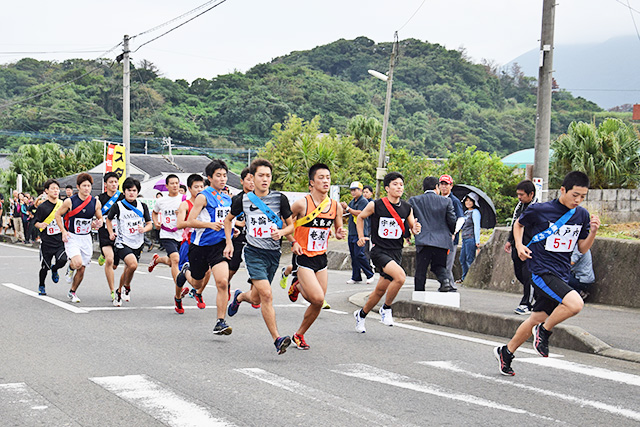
(543,113)
(382,171)
(126,106)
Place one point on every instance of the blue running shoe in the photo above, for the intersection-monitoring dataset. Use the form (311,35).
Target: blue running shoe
(234,305)
(222,328)
(282,343)
(181,278)
(42,290)
(192,293)
(55,276)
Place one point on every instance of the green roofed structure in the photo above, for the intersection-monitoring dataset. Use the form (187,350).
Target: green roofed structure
(522,158)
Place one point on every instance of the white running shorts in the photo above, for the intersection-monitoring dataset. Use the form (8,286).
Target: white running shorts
(79,245)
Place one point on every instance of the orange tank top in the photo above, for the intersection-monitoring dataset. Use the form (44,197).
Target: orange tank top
(314,235)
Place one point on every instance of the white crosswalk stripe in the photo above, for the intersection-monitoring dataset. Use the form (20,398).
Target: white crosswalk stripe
(23,406)
(158,401)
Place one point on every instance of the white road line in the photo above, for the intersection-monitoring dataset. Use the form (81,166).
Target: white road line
(16,256)
(19,247)
(353,409)
(370,373)
(71,308)
(449,366)
(165,277)
(171,307)
(21,405)
(591,371)
(157,401)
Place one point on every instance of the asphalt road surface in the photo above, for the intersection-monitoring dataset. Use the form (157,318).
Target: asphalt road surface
(92,364)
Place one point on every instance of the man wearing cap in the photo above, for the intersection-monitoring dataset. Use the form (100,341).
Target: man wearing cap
(446,185)
(359,262)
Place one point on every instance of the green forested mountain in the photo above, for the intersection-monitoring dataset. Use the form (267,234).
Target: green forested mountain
(439,99)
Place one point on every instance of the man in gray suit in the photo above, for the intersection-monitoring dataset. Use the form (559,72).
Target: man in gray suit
(438,219)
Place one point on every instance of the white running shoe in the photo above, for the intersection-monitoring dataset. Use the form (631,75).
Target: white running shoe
(73,297)
(351,281)
(69,274)
(359,322)
(522,309)
(117,301)
(125,295)
(370,280)
(385,316)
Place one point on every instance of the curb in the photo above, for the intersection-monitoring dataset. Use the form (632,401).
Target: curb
(565,336)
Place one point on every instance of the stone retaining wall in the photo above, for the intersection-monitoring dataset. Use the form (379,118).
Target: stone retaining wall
(615,205)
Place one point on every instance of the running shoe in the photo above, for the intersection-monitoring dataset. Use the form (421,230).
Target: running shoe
(42,290)
(282,343)
(117,301)
(359,322)
(113,295)
(199,301)
(504,359)
(522,309)
(126,297)
(222,328)
(256,306)
(192,293)
(541,340)
(283,279)
(55,276)
(153,262)
(370,280)
(386,317)
(353,282)
(299,341)
(69,274)
(325,305)
(185,291)
(293,292)
(101,260)
(73,297)
(234,305)
(179,308)
(181,278)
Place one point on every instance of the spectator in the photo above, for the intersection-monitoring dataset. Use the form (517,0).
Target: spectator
(158,195)
(438,220)
(470,232)
(367,193)
(359,262)
(68,190)
(18,230)
(446,185)
(526,193)
(183,189)
(24,217)
(582,276)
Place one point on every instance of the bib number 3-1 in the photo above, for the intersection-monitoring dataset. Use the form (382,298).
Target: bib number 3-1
(388,228)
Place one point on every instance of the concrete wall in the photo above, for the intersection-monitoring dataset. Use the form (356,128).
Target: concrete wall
(617,205)
(616,264)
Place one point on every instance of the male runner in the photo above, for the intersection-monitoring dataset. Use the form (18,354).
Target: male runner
(78,211)
(208,241)
(107,200)
(390,217)
(133,221)
(51,238)
(314,215)
(268,218)
(557,227)
(166,220)
(239,241)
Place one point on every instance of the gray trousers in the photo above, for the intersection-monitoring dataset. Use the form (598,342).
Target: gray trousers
(451,258)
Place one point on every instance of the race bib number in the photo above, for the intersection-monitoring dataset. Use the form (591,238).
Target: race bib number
(318,239)
(82,226)
(130,227)
(221,213)
(170,220)
(260,227)
(388,228)
(53,228)
(563,240)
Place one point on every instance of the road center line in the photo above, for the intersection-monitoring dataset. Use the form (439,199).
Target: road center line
(69,307)
(449,366)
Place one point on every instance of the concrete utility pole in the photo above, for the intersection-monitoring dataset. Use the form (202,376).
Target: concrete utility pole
(126,106)
(543,113)
(382,171)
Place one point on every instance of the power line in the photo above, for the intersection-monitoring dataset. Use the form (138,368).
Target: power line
(180,25)
(627,5)
(633,19)
(414,14)
(174,19)
(48,52)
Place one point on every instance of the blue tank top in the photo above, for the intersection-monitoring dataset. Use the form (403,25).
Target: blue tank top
(80,223)
(216,210)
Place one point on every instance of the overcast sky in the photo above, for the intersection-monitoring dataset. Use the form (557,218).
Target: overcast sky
(241,33)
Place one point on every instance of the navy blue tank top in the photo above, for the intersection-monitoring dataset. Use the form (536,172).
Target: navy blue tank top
(80,223)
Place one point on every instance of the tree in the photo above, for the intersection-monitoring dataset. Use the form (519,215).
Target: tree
(609,154)
(366,131)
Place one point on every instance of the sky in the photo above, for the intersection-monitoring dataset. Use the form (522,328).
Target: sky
(239,34)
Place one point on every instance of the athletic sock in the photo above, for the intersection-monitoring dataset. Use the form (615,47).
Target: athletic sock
(386,307)
(362,313)
(43,275)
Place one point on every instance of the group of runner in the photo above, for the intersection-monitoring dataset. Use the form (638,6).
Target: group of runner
(209,234)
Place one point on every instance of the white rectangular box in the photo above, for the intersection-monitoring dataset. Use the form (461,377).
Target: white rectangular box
(449,299)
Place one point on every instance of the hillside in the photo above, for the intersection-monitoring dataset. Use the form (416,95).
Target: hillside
(439,99)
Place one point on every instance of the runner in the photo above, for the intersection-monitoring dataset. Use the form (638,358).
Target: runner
(557,227)
(390,217)
(314,215)
(208,241)
(166,220)
(268,217)
(51,238)
(195,184)
(133,221)
(107,257)
(78,211)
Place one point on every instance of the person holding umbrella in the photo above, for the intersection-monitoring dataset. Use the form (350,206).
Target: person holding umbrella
(470,232)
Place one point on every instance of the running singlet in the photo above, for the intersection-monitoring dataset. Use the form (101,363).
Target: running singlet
(186,232)
(385,231)
(80,223)
(104,199)
(167,208)
(128,223)
(313,236)
(51,236)
(216,210)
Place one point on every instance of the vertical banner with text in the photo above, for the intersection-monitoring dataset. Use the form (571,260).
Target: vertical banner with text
(115,162)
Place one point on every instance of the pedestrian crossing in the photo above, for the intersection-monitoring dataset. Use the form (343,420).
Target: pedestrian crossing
(24,404)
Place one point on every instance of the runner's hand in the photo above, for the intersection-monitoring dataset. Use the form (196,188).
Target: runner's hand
(595,223)
(341,233)
(362,241)
(236,232)
(216,226)
(97,223)
(524,252)
(417,227)
(65,236)
(228,251)
(296,249)
(140,229)
(507,247)
(112,236)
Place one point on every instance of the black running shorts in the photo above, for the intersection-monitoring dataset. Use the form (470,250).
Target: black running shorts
(549,291)
(381,257)
(201,258)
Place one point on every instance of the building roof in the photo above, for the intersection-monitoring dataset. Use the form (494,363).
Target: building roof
(522,158)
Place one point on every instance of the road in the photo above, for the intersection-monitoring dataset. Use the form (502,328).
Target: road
(92,364)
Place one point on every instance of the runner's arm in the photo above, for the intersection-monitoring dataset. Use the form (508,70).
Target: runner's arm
(156,218)
(523,251)
(98,214)
(182,209)
(414,224)
(585,244)
(198,205)
(337,224)
(66,206)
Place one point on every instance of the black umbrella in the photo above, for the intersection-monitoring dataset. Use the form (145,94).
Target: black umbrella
(487,209)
